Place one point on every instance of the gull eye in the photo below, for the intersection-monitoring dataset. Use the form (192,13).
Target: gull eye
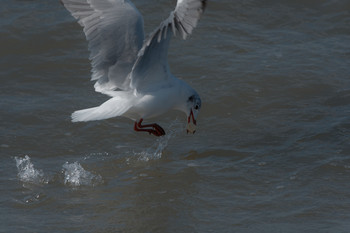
(191,98)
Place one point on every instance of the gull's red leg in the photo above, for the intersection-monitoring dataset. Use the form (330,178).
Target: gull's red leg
(154,129)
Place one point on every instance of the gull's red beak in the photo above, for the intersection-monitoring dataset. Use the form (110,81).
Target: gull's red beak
(191,123)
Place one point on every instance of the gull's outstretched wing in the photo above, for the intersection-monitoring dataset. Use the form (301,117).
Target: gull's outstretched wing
(151,69)
(114,30)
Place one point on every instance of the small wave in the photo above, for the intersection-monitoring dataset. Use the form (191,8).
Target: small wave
(27,173)
(75,175)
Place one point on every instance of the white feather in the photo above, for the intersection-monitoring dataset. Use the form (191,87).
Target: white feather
(113,107)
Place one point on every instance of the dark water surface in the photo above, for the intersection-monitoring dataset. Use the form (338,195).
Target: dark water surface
(271,153)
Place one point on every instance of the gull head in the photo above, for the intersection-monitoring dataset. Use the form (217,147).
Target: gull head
(193,105)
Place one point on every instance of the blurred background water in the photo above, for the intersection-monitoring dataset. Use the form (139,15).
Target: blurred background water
(271,152)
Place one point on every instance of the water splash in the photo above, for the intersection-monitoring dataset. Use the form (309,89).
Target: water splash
(156,150)
(27,173)
(75,175)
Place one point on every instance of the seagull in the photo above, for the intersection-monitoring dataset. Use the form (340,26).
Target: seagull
(134,70)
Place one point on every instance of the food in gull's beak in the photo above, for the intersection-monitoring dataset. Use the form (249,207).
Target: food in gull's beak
(191,123)
(191,128)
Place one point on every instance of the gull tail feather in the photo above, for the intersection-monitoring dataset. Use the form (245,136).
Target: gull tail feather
(111,108)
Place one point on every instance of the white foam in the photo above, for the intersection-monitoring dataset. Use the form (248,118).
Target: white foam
(76,175)
(27,172)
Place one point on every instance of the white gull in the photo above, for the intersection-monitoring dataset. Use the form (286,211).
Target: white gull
(132,70)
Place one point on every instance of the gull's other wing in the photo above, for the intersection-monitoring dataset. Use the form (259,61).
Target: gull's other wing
(114,31)
(151,69)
